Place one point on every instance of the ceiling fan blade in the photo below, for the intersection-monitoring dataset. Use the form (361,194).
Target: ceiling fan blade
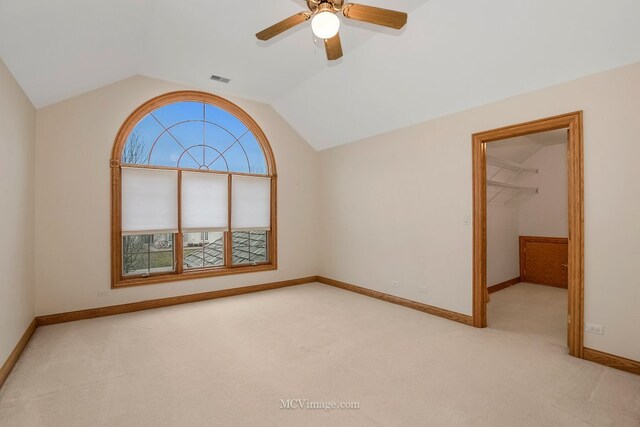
(283,26)
(333,47)
(375,15)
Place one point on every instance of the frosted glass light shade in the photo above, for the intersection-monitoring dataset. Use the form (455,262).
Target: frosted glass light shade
(149,201)
(250,203)
(204,202)
(325,25)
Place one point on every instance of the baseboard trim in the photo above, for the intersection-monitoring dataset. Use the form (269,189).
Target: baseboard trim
(611,360)
(17,351)
(440,312)
(503,285)
(165,302)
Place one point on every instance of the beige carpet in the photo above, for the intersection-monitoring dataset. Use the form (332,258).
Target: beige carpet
(539,312)
(231,361)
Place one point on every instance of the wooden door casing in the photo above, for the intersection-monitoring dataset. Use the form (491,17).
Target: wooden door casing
(575,174)
(544,261)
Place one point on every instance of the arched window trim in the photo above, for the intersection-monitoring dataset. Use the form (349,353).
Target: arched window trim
(118,279)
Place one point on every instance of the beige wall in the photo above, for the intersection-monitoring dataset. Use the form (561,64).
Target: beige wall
(74,142)
(17,141)
(393,206)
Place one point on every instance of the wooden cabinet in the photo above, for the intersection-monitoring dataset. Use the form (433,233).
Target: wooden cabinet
(544,260)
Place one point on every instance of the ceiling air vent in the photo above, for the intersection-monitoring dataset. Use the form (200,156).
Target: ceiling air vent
(220,79)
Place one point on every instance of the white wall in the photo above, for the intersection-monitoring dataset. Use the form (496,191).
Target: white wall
(17,141)
(393,206)
(543,214)
(503,258)
(74,142)
(503,247)
(546,213)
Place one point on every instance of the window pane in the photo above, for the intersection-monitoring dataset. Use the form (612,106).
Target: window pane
(147,253)
(254,153)
(249,247)
(194,135)
(202,250)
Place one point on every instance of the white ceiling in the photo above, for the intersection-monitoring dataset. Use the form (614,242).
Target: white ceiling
(521,148)
(453,54)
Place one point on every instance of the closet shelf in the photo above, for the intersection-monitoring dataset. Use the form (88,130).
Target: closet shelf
(512,186)
(509,164)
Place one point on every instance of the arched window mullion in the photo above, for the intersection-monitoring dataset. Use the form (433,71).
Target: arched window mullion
(205,122)
(245,156)
(207,166)
(237,141)
(172,136)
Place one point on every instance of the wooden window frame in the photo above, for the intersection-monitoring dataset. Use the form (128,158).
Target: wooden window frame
(118,280)
(575,165)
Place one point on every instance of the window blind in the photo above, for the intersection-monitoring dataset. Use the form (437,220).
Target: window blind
(250,203)
(149,201)
(205,204)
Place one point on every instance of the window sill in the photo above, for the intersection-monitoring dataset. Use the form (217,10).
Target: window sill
(126,282)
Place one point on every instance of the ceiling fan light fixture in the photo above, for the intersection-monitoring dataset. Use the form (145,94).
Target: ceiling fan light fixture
(325,25)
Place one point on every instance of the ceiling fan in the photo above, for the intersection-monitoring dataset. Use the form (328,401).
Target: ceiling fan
(325,24)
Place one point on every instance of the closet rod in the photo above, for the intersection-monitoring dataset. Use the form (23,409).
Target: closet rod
(513,186)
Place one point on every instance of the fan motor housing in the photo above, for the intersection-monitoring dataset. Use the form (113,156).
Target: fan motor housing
(325,5)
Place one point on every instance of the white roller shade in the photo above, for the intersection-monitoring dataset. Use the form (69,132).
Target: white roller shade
(250,203)
(205,203)
(149,201)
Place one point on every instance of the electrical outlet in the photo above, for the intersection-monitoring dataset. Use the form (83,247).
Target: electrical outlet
(467,220)
(594,329)
(102,294)
(395,284)
(422,289)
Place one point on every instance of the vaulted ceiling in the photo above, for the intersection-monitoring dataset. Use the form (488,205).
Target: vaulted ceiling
(452,55)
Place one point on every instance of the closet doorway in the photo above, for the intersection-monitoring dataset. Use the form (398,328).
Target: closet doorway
(550,249)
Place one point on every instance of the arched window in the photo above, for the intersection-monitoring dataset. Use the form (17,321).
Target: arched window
(194,192)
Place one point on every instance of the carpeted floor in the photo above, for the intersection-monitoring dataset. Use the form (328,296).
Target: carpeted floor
(539,312)
(231,361)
